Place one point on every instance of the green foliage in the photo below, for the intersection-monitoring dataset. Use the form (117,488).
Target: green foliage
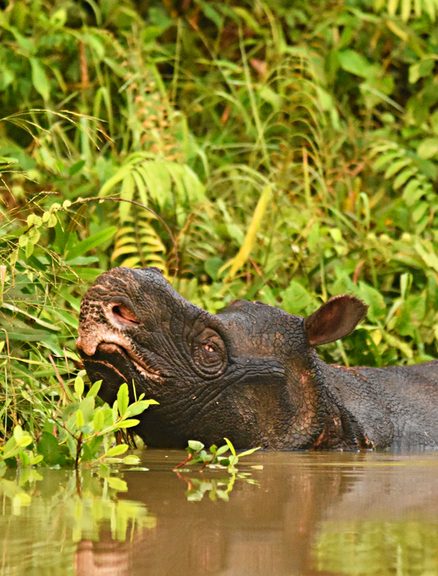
(262,150)
(16,448)
(138,244)
(81,430)
(410,174)
(223,456)
(70,508)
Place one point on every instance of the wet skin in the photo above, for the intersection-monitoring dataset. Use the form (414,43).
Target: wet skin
(250,372)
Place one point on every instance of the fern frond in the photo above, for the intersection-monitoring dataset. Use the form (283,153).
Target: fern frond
(306,109)
(138,243)
(408,9)
(401,166)
(167,185)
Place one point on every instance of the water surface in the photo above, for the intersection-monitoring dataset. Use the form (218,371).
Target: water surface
(295,513)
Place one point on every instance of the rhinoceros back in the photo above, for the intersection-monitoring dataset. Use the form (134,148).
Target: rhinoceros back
(396,406)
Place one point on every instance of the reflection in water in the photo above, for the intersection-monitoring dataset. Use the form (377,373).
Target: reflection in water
(43,518)
(215,488)
(375,548)
(304,513)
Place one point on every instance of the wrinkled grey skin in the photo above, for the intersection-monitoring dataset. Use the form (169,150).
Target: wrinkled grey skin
(249,373)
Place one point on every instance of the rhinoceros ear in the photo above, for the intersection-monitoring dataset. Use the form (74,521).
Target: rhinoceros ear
(334,319)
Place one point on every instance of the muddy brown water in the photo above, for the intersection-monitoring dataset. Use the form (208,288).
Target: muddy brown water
(285,514)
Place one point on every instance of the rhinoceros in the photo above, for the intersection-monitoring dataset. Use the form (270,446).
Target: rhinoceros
(249,372)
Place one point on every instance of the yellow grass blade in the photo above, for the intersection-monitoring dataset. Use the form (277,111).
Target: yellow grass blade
(248,243)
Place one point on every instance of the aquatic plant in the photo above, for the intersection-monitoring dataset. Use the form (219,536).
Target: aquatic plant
(224,456)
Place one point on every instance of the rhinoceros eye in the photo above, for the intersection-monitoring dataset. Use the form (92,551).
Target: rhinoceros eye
(209,353)
(124,315)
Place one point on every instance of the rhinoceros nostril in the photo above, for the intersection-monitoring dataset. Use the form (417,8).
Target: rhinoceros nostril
(124,314)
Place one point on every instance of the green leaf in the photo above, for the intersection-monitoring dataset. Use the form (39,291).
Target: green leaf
(114,180)
(92,241)
(396,166)
(21,437)
(127,423)
(224,461)
(231,447)
(205,456)
(296,299)
(138,407)
(39,79)
(403,177)
(195,445)
(157,181)
(375,301)
(116,450)
(396,342)
(94,390)
(117,484)
(406,10)
(10,449)
(420,69)
(392,7)
(86,405)
(384,159)
(50,450)
(99,422)
(212,266)
(248,452)
(222,450)
(428,148)
(353,62)
(127,193)
(234,460)
(209,12)
(268,95)
(79,419)
(427,254)
(123,399)
(412,192)
(34,460)
(431,8)
(79,387)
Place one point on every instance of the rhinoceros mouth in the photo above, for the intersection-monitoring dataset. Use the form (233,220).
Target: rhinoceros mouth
(144,369)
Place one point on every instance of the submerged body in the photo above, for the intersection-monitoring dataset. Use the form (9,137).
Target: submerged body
(250,372)
(395,406)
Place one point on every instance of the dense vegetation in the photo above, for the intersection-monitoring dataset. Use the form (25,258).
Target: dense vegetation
(284,151)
